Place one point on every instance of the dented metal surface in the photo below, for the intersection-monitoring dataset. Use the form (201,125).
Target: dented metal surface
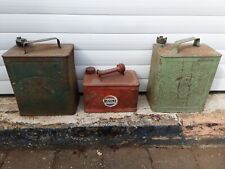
(181,76)
(43,79)
(113,90)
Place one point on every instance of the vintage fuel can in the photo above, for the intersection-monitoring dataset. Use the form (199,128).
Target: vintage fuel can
(181,75)
(112,90)
(43,77)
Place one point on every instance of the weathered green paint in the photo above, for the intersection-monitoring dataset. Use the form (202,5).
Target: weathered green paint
(180,82)
(43,85)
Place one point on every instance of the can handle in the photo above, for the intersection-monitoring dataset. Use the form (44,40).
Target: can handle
(22,42)
(176,45)
(119,68)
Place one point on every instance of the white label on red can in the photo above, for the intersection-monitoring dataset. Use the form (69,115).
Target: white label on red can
(110,101)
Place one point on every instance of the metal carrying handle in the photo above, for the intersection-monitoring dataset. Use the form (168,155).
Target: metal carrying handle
(22,42)
(176,45)
(119,68)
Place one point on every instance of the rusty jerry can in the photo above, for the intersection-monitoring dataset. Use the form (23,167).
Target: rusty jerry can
(112,90)
(181,75)
(43,77)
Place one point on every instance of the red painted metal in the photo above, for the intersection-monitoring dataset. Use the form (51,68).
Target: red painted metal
(113,91)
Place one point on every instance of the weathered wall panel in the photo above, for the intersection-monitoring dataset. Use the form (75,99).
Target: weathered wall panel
(113,31)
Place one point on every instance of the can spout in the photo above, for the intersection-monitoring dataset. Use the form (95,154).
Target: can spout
(22,42)
(161,40)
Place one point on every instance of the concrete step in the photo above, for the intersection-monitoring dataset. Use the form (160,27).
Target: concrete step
(143,127)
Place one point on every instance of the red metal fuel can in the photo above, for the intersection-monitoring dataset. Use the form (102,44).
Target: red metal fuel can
(112,90)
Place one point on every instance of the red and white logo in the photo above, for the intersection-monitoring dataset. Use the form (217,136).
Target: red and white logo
(110,101)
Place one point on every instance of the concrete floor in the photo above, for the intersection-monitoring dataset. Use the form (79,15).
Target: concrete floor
(123,158)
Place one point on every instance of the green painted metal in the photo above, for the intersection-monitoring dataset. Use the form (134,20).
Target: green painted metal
(181,76)
(43,79)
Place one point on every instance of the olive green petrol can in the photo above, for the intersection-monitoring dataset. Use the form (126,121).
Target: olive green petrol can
(181,75)
(43,78)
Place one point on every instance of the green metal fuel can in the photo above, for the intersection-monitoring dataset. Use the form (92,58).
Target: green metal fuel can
(43,77)
(181,75)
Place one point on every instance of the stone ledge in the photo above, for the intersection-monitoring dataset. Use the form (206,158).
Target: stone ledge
(113,129)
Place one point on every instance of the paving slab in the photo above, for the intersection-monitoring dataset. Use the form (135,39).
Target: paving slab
(27,159)
(210,158)
(116,158)
(132,158)
(79,159)
(172,158)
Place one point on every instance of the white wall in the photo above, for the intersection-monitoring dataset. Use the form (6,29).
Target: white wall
(107,32)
